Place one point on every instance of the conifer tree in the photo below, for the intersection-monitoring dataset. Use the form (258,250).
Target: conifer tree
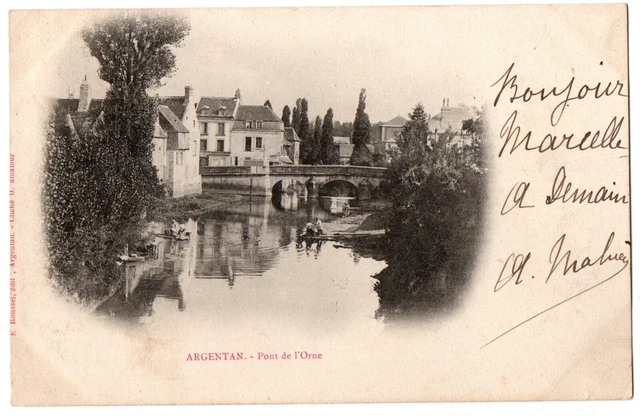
(361,127)
(316,142)
(304,132)
(328,153)
(286,116)
(295,118)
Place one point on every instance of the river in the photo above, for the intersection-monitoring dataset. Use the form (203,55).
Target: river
(243,264)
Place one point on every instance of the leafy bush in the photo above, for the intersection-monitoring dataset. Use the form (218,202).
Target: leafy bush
(437,190)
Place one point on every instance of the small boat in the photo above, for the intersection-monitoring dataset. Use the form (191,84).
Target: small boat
(131,259)
(186,236)
(341,235)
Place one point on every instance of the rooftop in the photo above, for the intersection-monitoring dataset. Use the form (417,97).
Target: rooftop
(172,119)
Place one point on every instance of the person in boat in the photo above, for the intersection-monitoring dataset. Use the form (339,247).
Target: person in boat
(310,229)
(318,225)
(174,228)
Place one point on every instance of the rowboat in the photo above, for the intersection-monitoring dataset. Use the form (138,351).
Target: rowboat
(131,259)
(185,237)
(340,235)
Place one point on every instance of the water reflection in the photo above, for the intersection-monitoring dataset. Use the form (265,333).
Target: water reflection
(293,202)
(247,254)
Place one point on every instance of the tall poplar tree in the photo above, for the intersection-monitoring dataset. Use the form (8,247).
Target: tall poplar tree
(99,180)
(328,151)
(316,157)
(286,116)
(295,118)
(361,128)
(304,132)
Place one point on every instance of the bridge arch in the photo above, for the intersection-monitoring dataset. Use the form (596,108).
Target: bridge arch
(339,187)
(289,186)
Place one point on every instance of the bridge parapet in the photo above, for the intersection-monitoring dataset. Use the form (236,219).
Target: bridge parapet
(328,170)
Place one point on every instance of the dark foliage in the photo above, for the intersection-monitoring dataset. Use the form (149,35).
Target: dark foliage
(361,155)
(434,226)
(328,152)
(99,182)
(135,49)
(315,143)
(295,117)
(286,116)
(343,129)
(304,132)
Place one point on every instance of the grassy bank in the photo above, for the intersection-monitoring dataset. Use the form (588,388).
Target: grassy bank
(179,208)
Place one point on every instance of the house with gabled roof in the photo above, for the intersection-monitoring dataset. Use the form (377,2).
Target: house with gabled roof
(450,118)
(179,120)
(389,133)
(234,134)
(175,137)
(292,144)
(216,116)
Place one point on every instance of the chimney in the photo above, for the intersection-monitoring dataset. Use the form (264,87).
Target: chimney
(188,95)
(444,100)
(85,96)
(237,96)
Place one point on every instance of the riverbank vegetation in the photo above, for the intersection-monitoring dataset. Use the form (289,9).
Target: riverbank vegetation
(99,183)
(433,227)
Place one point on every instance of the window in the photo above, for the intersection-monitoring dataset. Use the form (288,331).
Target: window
(220,147)
(247,144)
(220,129)
(236,160)
(204,128)
(258,124)
(203,145)
(250,124)
(195,150)
(258,142)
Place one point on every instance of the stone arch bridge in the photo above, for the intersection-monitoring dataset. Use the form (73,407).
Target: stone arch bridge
(314,180)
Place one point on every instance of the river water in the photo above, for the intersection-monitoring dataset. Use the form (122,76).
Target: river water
(243,264)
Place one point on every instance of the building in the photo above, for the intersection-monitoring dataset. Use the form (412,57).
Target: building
(345,148)
(292,144)
(175,151)
(450,118)
(389,133)
(159,153)
(179,120)
(234,134)
(216,116)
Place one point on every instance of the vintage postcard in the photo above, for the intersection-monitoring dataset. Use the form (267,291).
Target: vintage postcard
(319,205)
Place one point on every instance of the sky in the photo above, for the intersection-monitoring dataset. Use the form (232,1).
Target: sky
(400,56)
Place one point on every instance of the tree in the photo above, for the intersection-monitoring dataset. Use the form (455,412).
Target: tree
(99,180)
(316,142)
(361,126)
(286,116)
(134,51)
(328,151)
(268,104)
(343,129)
(304,132)
(413,141)
(434,224)
(295,118)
